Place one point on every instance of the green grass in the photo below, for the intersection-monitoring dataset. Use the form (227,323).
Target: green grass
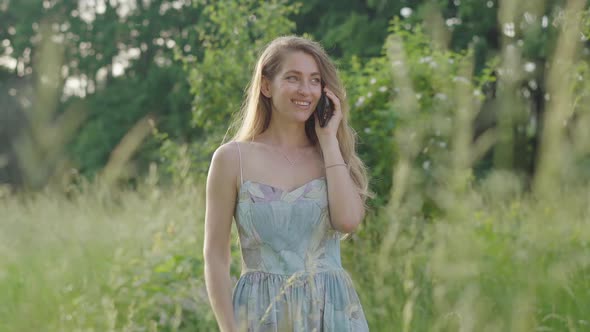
(488,263)
(101,260)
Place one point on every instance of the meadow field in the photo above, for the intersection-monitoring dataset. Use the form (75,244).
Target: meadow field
(459,238)
(495,259)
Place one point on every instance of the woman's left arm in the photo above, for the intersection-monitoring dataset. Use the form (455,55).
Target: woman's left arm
(344,200)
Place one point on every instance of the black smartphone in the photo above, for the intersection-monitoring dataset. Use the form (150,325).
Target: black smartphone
(325,108)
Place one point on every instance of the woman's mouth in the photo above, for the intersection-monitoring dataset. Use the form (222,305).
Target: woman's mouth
(301,103)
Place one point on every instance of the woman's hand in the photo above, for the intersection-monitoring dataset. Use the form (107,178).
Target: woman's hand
(329,131)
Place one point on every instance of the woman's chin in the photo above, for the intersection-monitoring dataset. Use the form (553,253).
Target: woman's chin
(300,116)
(304,116)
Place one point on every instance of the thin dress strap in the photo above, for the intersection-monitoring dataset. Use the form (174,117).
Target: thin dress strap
(240,155)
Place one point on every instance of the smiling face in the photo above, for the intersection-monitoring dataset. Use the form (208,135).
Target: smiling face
(296,88)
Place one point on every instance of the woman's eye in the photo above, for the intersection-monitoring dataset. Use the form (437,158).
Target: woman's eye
(291,78)
(316,80)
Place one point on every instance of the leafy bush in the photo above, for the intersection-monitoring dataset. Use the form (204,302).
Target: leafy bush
(404,102)
(231,43)
(449,252)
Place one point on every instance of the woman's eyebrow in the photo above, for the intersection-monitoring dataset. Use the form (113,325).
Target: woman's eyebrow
(293,71)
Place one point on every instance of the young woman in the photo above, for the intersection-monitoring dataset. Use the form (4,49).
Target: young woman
(294,188)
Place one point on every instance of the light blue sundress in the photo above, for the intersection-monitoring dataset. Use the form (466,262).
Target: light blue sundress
(292,277)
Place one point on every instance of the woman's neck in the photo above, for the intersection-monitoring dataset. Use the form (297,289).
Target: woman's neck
(285,136)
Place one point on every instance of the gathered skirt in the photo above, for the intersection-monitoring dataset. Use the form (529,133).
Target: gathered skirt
(322,301)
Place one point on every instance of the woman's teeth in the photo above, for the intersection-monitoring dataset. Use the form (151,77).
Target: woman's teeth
(301,103)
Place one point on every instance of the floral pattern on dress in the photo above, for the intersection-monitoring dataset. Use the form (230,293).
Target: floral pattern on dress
(292,277)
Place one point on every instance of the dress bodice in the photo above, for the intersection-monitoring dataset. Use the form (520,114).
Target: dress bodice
(286,232)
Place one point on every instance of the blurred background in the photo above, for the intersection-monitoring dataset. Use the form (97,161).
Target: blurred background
(472,117)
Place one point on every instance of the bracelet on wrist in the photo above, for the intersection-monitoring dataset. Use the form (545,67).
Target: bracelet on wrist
(334,165)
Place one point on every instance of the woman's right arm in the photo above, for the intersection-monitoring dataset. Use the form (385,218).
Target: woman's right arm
(220,201)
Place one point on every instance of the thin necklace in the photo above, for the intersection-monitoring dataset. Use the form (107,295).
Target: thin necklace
(292,163)
(287,158)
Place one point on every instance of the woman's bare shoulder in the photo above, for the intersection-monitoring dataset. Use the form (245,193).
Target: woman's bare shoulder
(224,162)
(226,150)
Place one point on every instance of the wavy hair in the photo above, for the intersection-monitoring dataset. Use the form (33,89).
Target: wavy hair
(254,116)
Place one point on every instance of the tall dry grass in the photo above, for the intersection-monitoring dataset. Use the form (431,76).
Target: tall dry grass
(495,256)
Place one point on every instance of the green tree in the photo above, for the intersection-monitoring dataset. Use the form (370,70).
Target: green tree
(239,31)
(347,27)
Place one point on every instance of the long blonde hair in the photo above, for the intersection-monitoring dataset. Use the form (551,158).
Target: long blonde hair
(254,116)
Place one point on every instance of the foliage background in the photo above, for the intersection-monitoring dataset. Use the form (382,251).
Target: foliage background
(471,116)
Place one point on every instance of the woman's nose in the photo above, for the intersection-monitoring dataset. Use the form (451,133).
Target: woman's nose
(304,88)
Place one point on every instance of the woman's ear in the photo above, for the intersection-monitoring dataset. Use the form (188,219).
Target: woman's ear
(265,87)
